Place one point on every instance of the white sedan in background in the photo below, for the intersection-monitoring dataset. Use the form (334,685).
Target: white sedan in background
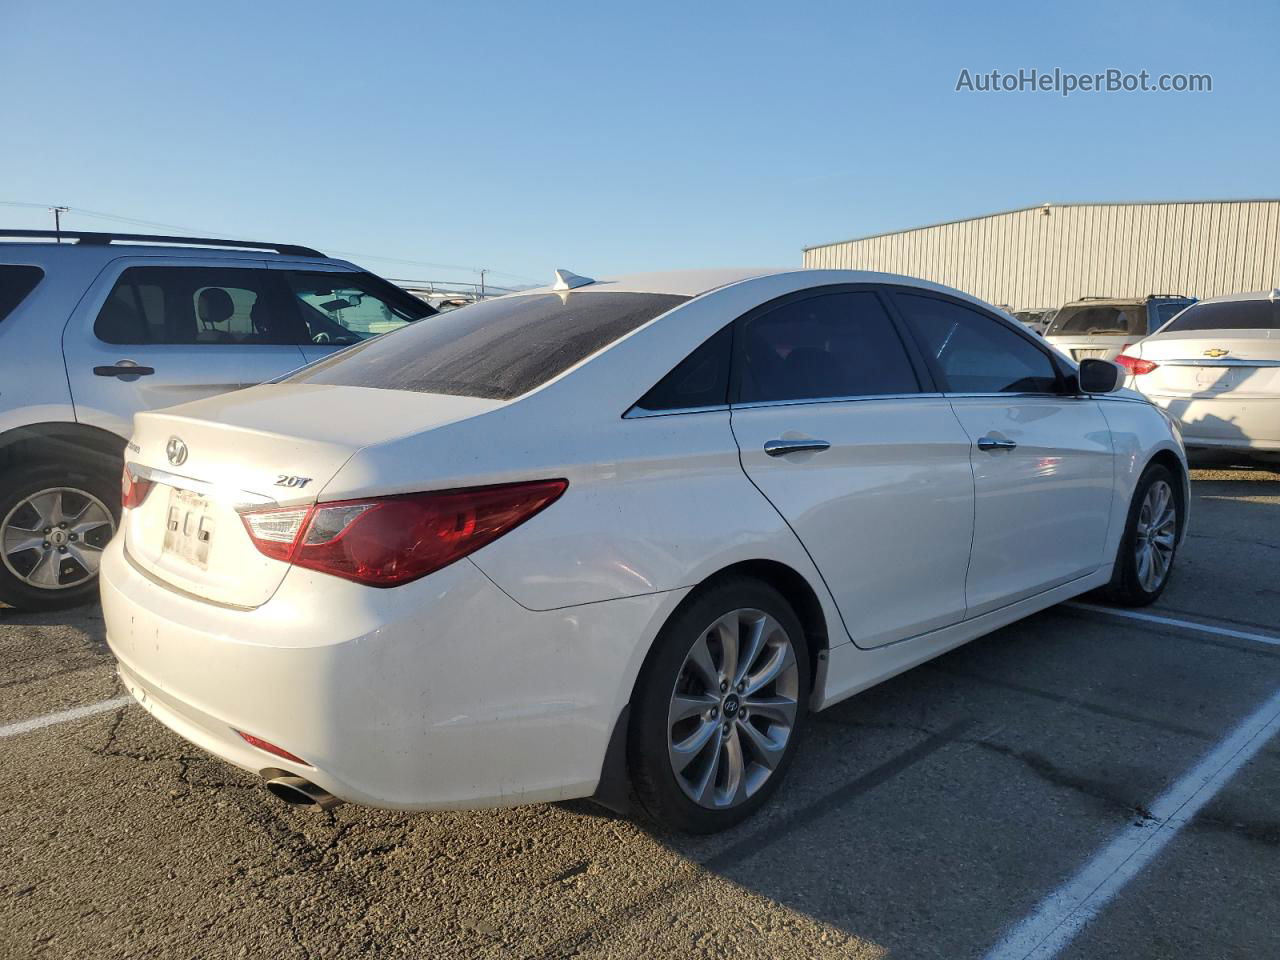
(617,538)
(1215,368)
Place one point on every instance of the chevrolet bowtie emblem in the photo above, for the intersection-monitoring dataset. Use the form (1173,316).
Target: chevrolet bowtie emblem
(1216,352)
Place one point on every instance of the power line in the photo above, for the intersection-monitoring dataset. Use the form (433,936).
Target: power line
(226,236)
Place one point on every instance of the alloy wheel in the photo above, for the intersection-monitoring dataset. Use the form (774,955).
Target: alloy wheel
(53,539)
(1155,536)
(733,709)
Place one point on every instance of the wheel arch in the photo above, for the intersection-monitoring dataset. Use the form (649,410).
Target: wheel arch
(1182,489)
(61,441)
(614,788)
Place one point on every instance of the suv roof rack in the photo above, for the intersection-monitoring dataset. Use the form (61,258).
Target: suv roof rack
(1167,296)
(81,236)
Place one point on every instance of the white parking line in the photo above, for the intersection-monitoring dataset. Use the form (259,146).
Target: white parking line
(1173,622)
(64,716)
(1065,912)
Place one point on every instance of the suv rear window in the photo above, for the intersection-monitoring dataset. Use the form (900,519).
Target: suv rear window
(15,283)
(1094,318)
(1227,315)
(495,349)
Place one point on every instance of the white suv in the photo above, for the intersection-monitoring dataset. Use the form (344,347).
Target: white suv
(98,327)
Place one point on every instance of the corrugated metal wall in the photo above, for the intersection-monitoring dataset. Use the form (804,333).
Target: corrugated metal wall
(1026,259)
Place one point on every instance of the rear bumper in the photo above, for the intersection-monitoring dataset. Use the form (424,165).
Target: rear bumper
(443,693)
(1225,422)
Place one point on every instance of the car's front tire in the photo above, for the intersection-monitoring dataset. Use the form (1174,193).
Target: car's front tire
(1150,542)
(55,519)
(718,707)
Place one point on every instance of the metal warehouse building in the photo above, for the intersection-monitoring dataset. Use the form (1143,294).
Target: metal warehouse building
(1046,256)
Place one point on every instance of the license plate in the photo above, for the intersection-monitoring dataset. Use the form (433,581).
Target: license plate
(1086,354)
(188,528)
(1215,379)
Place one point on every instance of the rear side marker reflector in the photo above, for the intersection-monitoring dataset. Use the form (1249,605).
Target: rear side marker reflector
(133,490)
(387,541)
(1136,365)
(270,747)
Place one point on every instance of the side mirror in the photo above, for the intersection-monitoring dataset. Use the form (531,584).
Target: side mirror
(1099,376)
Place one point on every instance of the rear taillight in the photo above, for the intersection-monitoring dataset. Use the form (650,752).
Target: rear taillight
(386,541)
(133,490)
(1135,365)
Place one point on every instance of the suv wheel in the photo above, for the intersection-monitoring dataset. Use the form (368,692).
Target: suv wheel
(55,520)
(719,707)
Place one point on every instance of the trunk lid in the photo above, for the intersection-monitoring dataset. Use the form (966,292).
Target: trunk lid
(277,444)
(1242,364)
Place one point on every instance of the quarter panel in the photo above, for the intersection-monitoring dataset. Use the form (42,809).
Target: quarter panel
(666,506)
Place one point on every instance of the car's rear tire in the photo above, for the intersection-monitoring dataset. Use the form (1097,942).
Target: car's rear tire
(1150,542)
(718,707)
(55,519)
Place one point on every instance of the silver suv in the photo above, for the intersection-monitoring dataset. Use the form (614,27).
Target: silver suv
(1104,327)
(99,326)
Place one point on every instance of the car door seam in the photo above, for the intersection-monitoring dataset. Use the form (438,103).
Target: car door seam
(835,603)
(973,525)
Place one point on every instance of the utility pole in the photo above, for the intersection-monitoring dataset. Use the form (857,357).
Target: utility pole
(57,221)
(483,271)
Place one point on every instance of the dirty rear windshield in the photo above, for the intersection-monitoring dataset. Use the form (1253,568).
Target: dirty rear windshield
(1228,315)
(15,283)
(1099,318)
(495,349)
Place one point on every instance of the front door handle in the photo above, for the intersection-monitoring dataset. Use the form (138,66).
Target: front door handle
(991,443)
(123,369)
(780,448)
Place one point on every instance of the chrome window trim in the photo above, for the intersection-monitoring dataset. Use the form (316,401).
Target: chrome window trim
(638,412)
(860,398)
(997,393)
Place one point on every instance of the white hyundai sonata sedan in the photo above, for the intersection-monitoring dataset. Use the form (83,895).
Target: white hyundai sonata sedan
(615,539)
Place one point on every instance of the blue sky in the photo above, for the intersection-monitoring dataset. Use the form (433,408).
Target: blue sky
(607,137)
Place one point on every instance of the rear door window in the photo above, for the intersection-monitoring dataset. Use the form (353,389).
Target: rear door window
(1228,315)
(977,353)
(212,306)
(822,347)
(495,349)
(16,282)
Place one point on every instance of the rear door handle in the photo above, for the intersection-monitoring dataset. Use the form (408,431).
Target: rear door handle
(780,448)
(123,369)
(991,443)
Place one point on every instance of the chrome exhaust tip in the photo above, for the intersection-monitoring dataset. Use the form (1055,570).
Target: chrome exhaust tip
(301,792)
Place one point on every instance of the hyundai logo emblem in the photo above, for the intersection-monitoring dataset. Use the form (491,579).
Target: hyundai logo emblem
(176,450)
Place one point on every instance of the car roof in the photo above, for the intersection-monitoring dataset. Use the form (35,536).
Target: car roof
(1249,295)
(693,283)
(682,283)
(46,246)
(1124,301)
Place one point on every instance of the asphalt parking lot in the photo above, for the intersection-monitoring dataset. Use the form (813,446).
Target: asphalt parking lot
(938,815)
